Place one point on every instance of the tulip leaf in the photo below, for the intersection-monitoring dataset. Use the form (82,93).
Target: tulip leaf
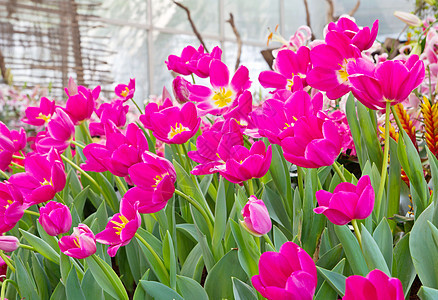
(41,246)
(242,291)
(336,280)
(90,287)
(427,293)
(27,286)
(281,178)
(160,291)
(108,192)
(193,260)
(40,277)
(72,287)
(424,249)
(275,207)
(352,250)
(434,170)
(330,258)
(140,293)
(106,277)
(218,284)
(169,259)
(190,289)
(59,292)
(327,290)
(383,237)
(220,220)
(371,252)
(279,238)
(394,182)
(350,111)
(51,240)
(403,267)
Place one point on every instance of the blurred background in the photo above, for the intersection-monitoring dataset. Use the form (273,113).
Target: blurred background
(44,42)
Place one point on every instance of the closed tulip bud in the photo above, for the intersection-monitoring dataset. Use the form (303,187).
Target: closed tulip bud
(408,18)
(55,218)
(256,218)
(9,243)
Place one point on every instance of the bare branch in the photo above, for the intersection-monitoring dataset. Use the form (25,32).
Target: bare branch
(239,40)
(195,30)
(306,6)
(330,11)
(355,8)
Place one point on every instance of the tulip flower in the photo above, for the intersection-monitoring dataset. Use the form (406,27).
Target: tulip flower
(408,18)
(114,112)
(392,80)
(80,106)
(220,99)
(125,92)
(256,218)
(44,177)
(121,228)
(8,243)
(41,115)
(55,218)
(376,285)
(244,164)
(180,89)
(80,244)
(11,206)
(330,60)
(155,183)
(3,269)
(362,38)
(287,64)
(11,141)
(312,142)
(151,108)
(347,202)
(289,274)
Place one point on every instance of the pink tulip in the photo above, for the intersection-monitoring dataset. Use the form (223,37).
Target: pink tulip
(362,38)
(244,164)
(347,202)
(38,116)
(8,243)
(11,206)
(55,218)
(80,244)
(152,108)
(174,125)
(180,89)
(312,142)
(289,274)
(121,228)
(155,183)
(11,141)
(125,92)
(256,218)
(114,112)
(221,98)
(80,106)
(44,177)
(392,80)
(376,285)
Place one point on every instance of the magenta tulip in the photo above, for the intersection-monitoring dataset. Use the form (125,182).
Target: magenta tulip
(80,244)
(121,228)
(256,218)
(289,274)
(376,285)
(80,106)
(362,38)
(11,206)
(11,141)
(3,269)
(40,115)
(55,218)
(9,243)
(114,112)
(125,92)
(347,202)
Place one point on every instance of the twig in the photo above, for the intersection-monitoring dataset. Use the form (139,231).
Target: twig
(306,6)
(195,30)
(330,11)
(355,8)
(238,39)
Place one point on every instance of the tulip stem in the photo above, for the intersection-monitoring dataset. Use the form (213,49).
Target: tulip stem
(193,79)
(120,185)
(28,247)
(138,107)
(4,175)
(154,254)
(198,207)
(189,162)
(385,160)
(77,144)
(18,157)
(7,261)
(268,240)
(4,283)
(59,198)
(300,178)
(31,213)
(85,132)
(339,172)
(251,187)
(83,173)
(357,232)
(397,120)
(17,165)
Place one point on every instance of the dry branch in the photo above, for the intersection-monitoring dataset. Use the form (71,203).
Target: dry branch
(238,38)
(355,8)
(195,30)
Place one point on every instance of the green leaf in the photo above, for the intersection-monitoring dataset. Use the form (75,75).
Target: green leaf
(59,292)
(277,210)
(242,291)
(41,246)
(193,261)
(190,289)
(218,284)
(394,182)
(330,258)
(434,169)
(383,237)
(427,293)
(403,267)
(279,238)
(25,282)
(371,252)
(350,109)
(72,287)
(40,277)
(140,293)
(169,259)
(109,192)
(159,290)
(336,280)
(352,250)
(220,221)
(51,240)
(327,291)
(106,277)
(90,287)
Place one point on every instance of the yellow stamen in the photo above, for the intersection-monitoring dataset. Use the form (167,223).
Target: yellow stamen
(179,128)
(46,182)
(223,97)
(76,241)
(120,226)
(158,179)
(125,92)
(46,118)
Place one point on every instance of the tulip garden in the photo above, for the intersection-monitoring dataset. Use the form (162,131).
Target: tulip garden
(323,189)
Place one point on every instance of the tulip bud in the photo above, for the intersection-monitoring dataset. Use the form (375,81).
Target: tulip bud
(81,244)
(408,18)
(256,218)
(55,218)
(9,243)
